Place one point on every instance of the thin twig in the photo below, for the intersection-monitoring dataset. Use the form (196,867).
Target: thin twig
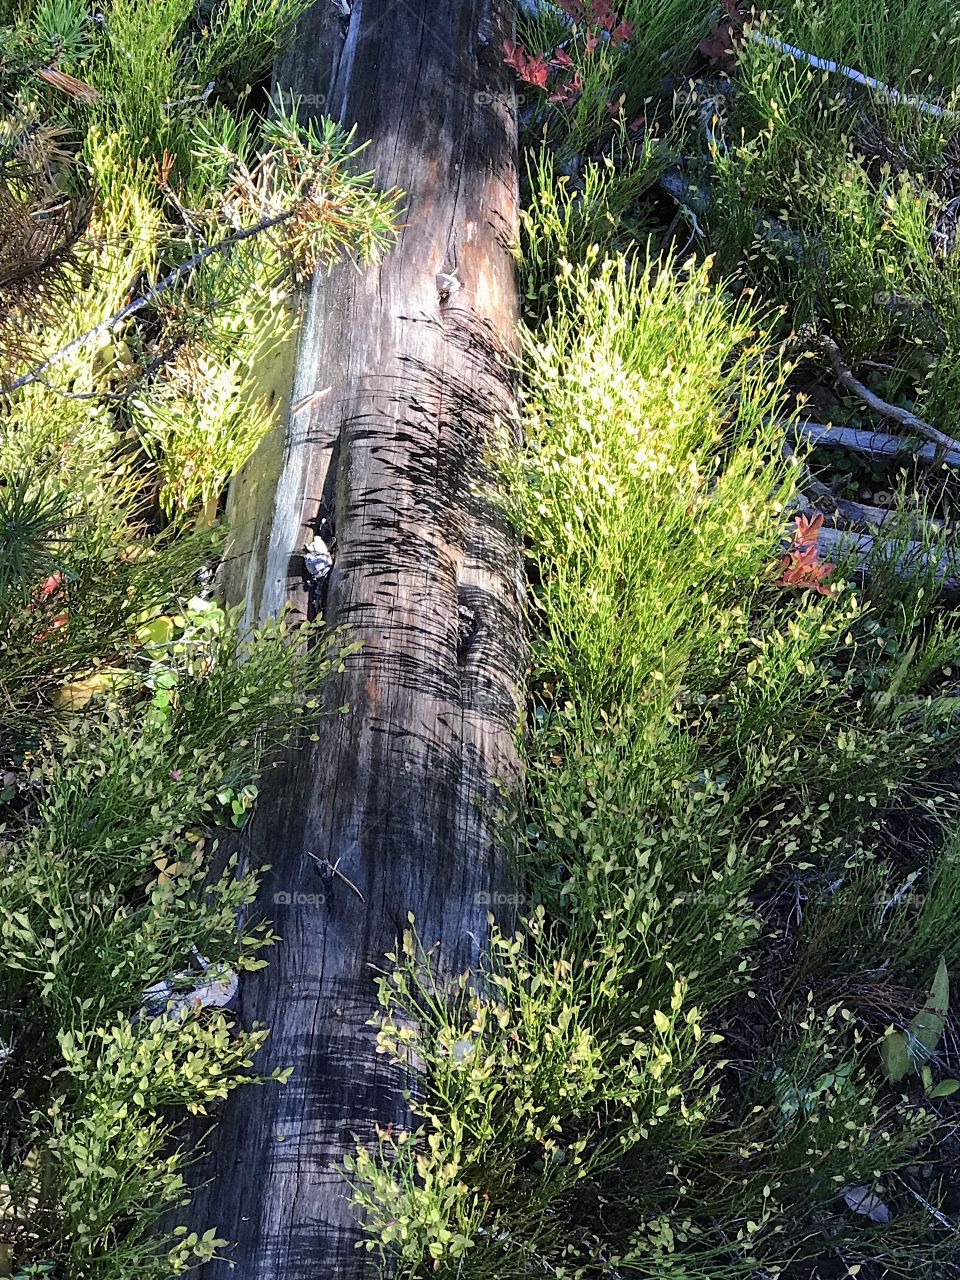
(183,211)
(309,400)
(202,96)
(931,1209)
(328,868)
(148,296)
(827,64)
(909,421)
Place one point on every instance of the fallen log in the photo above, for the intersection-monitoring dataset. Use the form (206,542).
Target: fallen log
(401,379)
(905,557)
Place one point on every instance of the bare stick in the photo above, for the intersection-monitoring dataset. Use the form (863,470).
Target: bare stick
(202,96)
(148,296)
(871,444)
(827,64)
(842,513)
(909,421)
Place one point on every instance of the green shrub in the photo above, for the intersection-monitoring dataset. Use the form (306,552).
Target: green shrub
(703,740)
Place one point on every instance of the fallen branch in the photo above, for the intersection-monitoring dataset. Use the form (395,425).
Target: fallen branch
(844,514)
(149,295)
(909,421)
(202,96)
(877,445)
(905,557)
(818,498)
(858,77)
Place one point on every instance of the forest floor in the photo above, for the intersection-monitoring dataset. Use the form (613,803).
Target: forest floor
(721,1042)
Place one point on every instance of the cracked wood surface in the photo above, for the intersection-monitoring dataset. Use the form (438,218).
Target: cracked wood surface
(404,790)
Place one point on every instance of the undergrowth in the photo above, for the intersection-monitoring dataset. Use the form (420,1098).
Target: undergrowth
(719,1042)
(638,1083)
(152,227)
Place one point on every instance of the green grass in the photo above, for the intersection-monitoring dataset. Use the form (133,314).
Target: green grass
(918,53)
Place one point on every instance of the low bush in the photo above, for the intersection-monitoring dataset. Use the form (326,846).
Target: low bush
(669,1070)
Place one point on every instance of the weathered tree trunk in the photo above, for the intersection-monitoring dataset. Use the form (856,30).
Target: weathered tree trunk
(403,791)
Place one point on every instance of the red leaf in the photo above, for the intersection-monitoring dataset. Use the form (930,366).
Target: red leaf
(602,15)
(536,71)
(807,529)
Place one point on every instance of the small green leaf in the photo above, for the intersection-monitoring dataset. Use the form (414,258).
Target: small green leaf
(895,1056)
(944,1089)
(927,1026)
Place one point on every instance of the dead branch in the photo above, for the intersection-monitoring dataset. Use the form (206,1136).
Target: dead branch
(850,73)
(149,295)
(905,557)
(202,96)
(816,497)
(877,445)
(909,421)
(844,514)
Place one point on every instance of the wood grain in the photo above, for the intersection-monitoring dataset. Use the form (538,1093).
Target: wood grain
(405,790)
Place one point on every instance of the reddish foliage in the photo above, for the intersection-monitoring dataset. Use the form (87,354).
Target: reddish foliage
(567,90)
(530,67)
(49,596)
(535,69)
(720,44)
(802,566)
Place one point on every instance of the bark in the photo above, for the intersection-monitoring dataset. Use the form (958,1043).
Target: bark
(405,790)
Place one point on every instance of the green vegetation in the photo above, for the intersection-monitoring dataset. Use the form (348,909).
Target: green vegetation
(150,233)
(719,1043)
